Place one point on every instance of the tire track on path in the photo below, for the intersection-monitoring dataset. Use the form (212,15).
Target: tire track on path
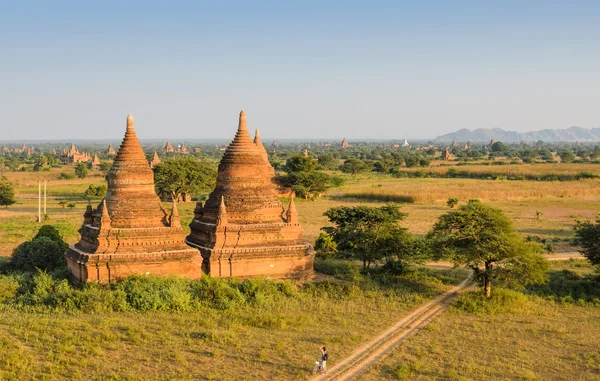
(383,344)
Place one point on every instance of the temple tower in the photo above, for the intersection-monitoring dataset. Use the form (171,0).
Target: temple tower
(243,229)
(130,233)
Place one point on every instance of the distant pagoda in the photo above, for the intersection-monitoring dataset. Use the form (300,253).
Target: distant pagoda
(130,233)
(243,229)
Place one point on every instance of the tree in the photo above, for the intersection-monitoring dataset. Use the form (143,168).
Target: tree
(372,235)
(307,184)
(183,175)
(325,245)
(482,238)
(7,193)
(81,170)
(95,191)
(452,201)
(355,166)
(587,236)
(299,163)
(567,156)
(498,147)
(52,232)
(42,253)
(303,178)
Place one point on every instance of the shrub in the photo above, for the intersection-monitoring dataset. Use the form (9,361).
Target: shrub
(42,253)
(502,301)
(52,232)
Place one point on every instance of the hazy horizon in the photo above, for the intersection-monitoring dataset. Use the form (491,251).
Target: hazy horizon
(301,70)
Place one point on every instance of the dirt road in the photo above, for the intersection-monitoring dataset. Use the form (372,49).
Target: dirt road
(378,348)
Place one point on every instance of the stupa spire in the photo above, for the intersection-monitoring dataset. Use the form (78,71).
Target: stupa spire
(222,213)
(292,213)
(242,123)
(105,222)
(175,220)
(130,122)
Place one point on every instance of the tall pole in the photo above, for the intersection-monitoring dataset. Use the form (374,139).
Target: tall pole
(45,197)
(39,201)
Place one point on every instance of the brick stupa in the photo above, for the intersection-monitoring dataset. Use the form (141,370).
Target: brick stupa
(243,229)
(130,233)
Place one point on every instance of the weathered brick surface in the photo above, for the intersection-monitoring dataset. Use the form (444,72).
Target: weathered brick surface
(130,233)
(243,229)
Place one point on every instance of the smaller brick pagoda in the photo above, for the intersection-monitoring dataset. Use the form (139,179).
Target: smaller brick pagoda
(130,233)
(243,229)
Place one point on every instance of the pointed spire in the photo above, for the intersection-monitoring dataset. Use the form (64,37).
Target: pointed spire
(222,214)
(260,145)
(130,123)
(242,124)
(292,213)
(105,221)
(305,153)
(175,220)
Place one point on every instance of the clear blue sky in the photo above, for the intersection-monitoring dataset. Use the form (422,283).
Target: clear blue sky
(300,69)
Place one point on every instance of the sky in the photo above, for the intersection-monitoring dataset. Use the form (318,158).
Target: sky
(300,69)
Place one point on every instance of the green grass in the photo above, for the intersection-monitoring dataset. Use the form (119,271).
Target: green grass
(273,336)
(516,336)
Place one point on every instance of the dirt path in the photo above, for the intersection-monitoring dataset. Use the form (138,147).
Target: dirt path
(380,346)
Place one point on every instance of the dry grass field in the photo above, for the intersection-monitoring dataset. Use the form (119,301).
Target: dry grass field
(561,203)
(534,339)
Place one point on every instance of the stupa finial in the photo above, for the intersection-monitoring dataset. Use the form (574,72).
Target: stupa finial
(242,125)
(130,123)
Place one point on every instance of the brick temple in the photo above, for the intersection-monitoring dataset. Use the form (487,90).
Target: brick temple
(243,229)
(130,233)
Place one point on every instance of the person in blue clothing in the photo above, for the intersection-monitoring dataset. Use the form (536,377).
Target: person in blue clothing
(324,356)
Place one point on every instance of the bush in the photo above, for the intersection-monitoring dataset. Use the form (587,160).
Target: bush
(41,253)
(52,232)
(502,301)
(66,176)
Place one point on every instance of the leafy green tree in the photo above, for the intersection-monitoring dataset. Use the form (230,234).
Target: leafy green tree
(567,156)
(95,191)
(7,193)
(307,184)
(81,170)
(184,175)
(373,235)
(299,163)
(303,178)
(587,236)
(52,232)
(452,201)
(355,166)
(498,147)
(482,238)
(328,162)
(325,245)
(41,253)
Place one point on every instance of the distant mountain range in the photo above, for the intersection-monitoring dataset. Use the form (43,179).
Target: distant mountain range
(571,134)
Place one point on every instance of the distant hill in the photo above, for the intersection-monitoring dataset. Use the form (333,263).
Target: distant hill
(570,134)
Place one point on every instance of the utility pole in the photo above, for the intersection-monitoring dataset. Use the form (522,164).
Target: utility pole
(45,181)
(39,201)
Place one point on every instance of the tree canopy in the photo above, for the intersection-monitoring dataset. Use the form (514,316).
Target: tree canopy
(184,175)
(373,235)
(303,178)
(482,238)
(7,193)
(587,236)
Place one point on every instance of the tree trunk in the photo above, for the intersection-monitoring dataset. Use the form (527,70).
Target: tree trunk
(487,282)
(487,287)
